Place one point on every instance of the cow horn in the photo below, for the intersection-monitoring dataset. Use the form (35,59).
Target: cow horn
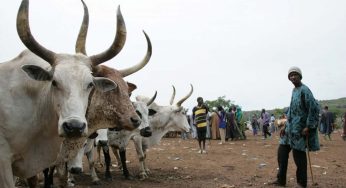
(152,99)
(173,96)
(187,96)
(80,44)
(23,30)
(117,44)
(135,68)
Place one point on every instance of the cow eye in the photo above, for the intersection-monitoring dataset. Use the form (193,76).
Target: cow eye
(139,114)
(54,83)
(90,85)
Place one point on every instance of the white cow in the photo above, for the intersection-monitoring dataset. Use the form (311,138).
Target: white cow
(165,119)
(116,139)
(44,98)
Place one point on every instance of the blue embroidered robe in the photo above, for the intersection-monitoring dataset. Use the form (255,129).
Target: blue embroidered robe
(303,112)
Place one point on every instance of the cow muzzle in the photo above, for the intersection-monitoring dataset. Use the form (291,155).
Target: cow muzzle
(73,128)
(146,132)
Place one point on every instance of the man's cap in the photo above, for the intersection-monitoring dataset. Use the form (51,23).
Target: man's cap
(296,70)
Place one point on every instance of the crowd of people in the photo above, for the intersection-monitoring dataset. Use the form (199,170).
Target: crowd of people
(216,123)
(223,124)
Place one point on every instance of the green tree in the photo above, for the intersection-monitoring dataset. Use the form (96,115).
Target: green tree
(220,101)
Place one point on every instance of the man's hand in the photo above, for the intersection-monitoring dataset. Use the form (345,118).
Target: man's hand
(305,131)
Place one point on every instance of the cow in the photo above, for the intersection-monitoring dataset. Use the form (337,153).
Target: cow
(106,110)
(116,137)
(44,98)
(164,119)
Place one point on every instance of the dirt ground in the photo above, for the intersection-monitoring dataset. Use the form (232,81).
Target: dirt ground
(175,163)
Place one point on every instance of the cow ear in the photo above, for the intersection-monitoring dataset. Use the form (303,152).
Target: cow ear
(37,73)
(104,84)
(131,86)
(152,112)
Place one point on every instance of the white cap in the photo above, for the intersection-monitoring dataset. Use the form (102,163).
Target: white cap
(296,70)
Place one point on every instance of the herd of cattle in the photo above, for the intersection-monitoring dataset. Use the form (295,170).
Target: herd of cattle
(55,107)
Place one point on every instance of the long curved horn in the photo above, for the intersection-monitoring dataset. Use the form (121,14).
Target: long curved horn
(135,68)
(80,44)
(23,30)
(187,96)
(152,99)
(117,44)
(173,96)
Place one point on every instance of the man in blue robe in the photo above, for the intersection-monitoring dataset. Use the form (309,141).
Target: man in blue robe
(300,132)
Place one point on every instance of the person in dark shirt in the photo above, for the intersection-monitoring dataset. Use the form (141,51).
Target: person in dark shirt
(327,121)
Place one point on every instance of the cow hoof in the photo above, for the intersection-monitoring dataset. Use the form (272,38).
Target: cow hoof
(143,176)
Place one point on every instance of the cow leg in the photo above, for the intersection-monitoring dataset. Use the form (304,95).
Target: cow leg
(48,177)
(99,161)
(51,175)
(62,174)
(117,156)
(6,174)
(147,170)
(139,149)
(126,173)
(71,182)
(105,150)
(90,156)
(46,182)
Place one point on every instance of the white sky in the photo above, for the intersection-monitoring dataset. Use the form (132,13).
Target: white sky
(238,48)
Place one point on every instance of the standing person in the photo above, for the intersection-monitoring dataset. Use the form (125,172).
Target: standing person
(327,121)
(222,124)
(199,117)
(300,132)
(208,135)
(241,125)
(260,124)
(214,120)
(227,130)
(344,133)
(265,119)
(232,124)
(272,124)
(254,124)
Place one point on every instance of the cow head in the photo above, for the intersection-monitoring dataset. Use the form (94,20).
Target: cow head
(70,78)
(114,108)
(169,118)
(143,112)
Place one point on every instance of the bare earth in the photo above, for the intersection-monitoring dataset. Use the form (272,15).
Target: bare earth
(244,163)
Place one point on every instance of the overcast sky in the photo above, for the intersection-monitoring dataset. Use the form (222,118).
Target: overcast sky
(238,48)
